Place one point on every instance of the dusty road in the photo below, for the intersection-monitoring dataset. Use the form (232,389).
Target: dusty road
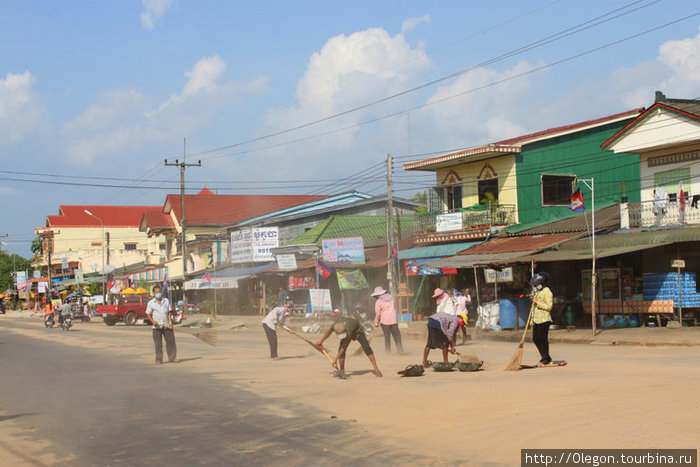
(92,396)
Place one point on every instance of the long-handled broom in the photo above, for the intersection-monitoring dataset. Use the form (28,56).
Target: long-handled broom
(517,359)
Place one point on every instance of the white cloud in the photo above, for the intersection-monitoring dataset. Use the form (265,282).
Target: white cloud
(126,122)
(675,71)
(154,10)
(411,23)
(347,72)
(20,110)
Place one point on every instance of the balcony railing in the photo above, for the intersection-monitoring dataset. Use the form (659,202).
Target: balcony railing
(471,219)
(647,214)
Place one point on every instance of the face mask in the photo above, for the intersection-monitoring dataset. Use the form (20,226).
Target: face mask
(159,295)
(342,336)
(539,286)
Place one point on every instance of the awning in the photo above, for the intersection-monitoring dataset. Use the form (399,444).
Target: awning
(468,261)
(435,251)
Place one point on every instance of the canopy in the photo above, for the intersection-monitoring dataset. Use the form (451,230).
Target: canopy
(128,291)
(141,291)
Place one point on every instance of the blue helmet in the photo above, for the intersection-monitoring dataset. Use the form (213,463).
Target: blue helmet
(541,278)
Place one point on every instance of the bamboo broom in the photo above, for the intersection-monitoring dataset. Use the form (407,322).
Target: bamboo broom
(517,359)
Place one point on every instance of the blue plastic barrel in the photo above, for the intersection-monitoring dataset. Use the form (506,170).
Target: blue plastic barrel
(508,313)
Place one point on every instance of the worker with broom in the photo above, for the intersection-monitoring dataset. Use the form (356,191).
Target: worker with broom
(276,316)
(541,316)
(350,330)
(442,328)
(385,315)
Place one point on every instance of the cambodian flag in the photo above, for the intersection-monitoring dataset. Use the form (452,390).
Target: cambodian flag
(110,284)
(577,201)
(165,284)
(206,278)
(323,270)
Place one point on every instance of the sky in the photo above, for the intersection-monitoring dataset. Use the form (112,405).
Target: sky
(304,97)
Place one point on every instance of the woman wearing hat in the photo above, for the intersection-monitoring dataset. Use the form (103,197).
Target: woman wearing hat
(385,314)
(445,303)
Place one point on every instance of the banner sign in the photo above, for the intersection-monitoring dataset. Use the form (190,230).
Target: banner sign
(302,280)
(446,222)
(351,280)
(21,281)
(253,245)
(415,268)
(344,250)
(287,262)
(504,275)
(214,283)
(320,300)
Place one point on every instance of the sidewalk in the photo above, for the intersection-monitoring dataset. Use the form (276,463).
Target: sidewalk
(659,336)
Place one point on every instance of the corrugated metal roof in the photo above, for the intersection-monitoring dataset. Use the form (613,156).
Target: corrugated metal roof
(518,244)
(468,261)
(605,219)
(370,228)
(435,251)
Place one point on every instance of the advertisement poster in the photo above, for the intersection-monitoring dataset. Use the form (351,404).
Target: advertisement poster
(344,250)
(253,245)
(302,281)
(320,300)
(415,268)
(287,262)
(351,280)
(21,281)
(447,222)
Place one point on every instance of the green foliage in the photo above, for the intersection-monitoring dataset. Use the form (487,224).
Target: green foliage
(37,246)
(422,198)
(8,264)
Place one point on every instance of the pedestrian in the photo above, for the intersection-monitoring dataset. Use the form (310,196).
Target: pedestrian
(86,312)
(276,316)
(158,312)
(282,296)
(445,303)
(350,330)
(462,314)
(442,328)
(385,314)
(541,315)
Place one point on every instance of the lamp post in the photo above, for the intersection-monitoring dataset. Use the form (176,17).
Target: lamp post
(104,291)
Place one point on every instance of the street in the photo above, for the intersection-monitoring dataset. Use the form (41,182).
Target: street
(92,396)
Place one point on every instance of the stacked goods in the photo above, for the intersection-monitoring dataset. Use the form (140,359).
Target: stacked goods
(664,286)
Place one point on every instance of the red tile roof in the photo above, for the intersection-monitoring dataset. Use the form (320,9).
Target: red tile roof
(112,216)
(157,220)
(206,209)
(513,244)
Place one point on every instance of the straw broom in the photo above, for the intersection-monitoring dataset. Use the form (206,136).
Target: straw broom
(517,359)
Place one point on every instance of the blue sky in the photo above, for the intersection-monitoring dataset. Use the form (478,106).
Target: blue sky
(94,89)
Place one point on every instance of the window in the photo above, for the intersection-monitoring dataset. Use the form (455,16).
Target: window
(96,244)
(453,197)
(557,189)
(130,246)
(671,181)
(488,191)
(161,246)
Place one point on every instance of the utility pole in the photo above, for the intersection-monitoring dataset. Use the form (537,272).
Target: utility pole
(183,222)
(391,274)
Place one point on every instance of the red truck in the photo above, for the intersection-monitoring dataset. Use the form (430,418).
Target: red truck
(130,309)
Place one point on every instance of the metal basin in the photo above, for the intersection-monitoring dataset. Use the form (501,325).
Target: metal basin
(469,366)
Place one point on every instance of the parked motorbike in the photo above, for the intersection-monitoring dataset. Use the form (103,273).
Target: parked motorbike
(48,321)
(177,316)
(67,322)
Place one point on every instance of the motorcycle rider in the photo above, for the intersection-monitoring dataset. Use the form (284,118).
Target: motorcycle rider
(49,314)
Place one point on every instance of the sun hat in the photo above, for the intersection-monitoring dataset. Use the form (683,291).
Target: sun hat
(378,291)
(438,292)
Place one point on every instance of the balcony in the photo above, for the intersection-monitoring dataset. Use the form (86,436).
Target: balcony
(645,214)
(465,224)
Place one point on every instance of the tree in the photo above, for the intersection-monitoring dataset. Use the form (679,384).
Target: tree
(8,264)
(420,197)
(38,246)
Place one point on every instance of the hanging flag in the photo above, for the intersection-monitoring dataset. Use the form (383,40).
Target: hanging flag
(323,270)
(206,278)
(577,201)
(165,284)
(110,284)
(131,283)
(681,196)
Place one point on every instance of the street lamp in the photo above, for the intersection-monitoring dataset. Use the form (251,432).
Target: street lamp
(104,288)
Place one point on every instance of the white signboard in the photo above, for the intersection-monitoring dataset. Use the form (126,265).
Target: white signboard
(320,300)
(215,283)
(287,262)
(96,300)
(505,275)
(446,222)
(41,287)
(253,245)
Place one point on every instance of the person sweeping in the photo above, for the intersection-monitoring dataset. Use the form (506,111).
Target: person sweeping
(348,331)
(541,315)
(276,316)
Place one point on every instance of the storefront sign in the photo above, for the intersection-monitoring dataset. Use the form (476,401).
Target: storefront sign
(673,158)
(447,222)
(214,283)
(302,280)
(287,262)
(504,275)
(320,300)
(351,280)
(21,281)
(253,245)
(344,250)
(415,268)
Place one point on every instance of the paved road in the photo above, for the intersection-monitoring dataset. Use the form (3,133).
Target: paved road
(95,410)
